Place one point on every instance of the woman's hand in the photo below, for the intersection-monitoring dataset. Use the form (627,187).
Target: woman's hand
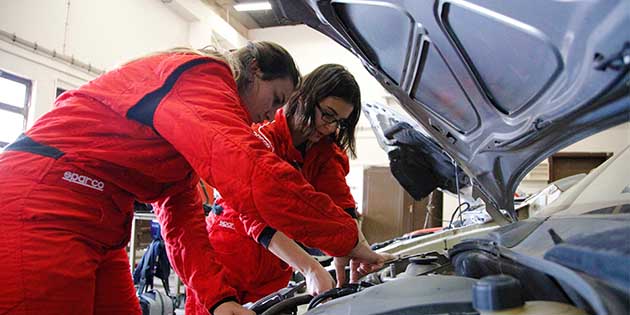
(318,280)
(232,308)
(340,264)
(363,254)
(363,260)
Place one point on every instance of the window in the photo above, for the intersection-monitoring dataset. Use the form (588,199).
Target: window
(15,93)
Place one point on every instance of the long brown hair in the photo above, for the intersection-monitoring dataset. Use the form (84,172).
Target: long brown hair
(207,51)
(325,81)
(273,61)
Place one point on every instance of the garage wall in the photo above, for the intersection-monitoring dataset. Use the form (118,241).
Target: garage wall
(101,33)
(45,74)
(612,140)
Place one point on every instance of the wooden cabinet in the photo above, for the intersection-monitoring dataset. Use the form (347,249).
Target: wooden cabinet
(564,164)
(388,210)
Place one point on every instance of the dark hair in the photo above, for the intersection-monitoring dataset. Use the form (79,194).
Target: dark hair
(325,81)
(273,61)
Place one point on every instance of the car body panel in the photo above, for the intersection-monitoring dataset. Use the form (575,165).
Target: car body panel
(417,295)
(439,241)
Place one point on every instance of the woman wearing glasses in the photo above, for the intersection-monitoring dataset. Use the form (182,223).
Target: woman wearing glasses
(312,132)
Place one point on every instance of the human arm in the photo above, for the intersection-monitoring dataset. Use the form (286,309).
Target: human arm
(318,280)
(330,177)
(192,258)
(327,173)
(362,260)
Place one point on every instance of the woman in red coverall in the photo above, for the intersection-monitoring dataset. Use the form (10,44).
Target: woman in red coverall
(148,131)
(312,132)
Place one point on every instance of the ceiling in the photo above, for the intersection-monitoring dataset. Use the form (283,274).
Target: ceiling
(248,20)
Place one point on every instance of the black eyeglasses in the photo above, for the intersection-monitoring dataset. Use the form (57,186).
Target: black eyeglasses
(330,118)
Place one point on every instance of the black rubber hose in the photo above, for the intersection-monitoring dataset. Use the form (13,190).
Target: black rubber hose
(288,303)
(459,208)
(334,293)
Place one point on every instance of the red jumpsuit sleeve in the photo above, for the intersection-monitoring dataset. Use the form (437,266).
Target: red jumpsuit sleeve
(184,231)
(331,180)
(203,119)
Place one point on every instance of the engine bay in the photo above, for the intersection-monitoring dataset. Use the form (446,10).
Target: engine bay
(491,273)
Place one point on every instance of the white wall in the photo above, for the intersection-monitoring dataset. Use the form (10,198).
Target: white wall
(101,33)
(612,140)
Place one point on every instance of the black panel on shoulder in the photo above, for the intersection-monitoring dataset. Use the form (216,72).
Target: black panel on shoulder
(144,110)
(25,144)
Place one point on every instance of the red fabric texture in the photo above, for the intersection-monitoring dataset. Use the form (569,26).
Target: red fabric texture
(256,272)
(324,166)
(206,192)
(200,129)
(239,253)
(61,249)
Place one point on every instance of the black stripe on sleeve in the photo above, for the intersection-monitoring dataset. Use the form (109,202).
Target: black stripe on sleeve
(265,236)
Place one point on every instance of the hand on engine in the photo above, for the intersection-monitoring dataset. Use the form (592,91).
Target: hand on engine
(318,280)
(359,267)
(340,264)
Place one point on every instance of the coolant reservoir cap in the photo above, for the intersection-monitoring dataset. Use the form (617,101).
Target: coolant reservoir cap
(498,292)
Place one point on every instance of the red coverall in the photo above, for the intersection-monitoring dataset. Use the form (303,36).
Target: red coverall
(147,130)
(241,243)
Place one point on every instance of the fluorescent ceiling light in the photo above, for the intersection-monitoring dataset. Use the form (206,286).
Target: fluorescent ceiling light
(253,6)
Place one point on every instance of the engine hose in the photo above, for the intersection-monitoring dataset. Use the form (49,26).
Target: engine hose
(288,304)
(333,293)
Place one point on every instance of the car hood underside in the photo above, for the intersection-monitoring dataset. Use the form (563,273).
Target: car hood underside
(499,85)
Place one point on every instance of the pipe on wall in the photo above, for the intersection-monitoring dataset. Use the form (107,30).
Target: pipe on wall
(53,54)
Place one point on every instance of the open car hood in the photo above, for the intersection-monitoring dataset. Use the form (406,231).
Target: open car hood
(500,85)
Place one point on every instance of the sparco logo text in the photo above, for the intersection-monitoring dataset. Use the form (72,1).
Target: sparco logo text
(83,180)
